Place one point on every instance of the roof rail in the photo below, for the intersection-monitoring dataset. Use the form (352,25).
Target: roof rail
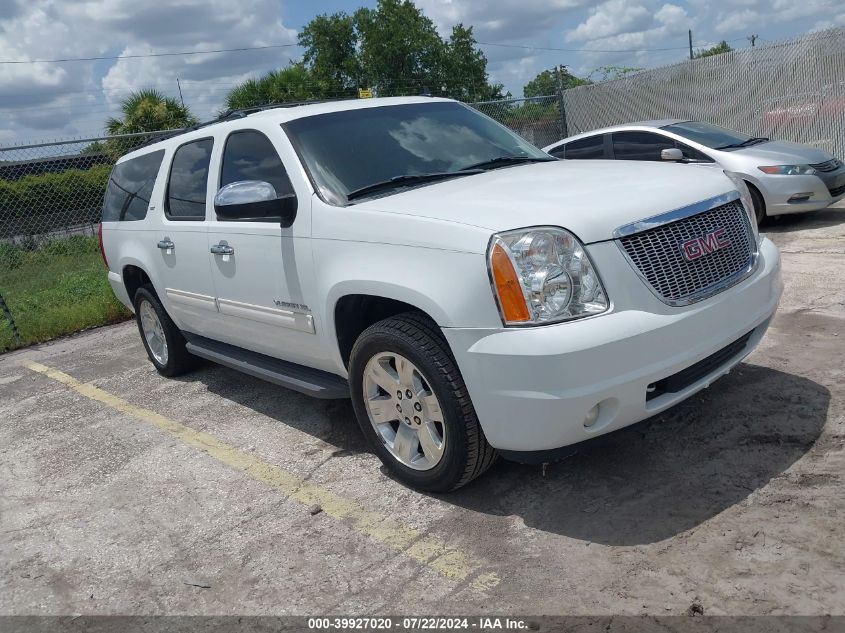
(231,115)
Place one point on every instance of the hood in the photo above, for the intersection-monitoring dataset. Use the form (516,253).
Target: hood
(782,153)
(590,198)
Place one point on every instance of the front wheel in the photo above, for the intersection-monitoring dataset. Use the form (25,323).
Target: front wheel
(412,405)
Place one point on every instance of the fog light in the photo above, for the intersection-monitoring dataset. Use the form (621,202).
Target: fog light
(592,414)
(800,197)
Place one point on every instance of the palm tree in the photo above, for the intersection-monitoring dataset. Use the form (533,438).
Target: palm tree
(293,83)
(148,110)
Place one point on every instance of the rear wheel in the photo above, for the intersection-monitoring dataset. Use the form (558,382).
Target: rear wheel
(412,405)
(163,341)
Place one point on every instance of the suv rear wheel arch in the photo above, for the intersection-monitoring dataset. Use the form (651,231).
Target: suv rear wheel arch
(134,278)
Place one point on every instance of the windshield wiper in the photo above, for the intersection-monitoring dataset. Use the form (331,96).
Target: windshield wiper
(408,179)
(754,140)
(501,161)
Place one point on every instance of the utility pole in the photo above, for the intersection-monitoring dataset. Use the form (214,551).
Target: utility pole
(690,43)
(178,85)
(752,39)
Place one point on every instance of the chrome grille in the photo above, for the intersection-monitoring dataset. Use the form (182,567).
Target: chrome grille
(657,255)
(829,165)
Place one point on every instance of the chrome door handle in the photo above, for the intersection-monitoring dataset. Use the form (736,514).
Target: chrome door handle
(222,249)
(166,244)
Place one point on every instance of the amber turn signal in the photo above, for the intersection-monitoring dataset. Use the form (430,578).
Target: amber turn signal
(511,299)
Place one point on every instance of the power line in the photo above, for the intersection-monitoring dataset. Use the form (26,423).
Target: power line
(583,50)
(138,56)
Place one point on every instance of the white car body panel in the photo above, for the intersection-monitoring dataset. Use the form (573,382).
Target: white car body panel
(426,247)
(775,189)
(597,196)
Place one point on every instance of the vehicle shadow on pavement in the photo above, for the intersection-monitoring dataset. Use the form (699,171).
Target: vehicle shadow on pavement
(669,473)
(331,421)
(824,218)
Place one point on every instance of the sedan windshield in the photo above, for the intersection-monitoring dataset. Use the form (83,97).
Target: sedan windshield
(378,151)
(709,135)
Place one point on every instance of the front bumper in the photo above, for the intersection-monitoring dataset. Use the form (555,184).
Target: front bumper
(779,192)
(532,388)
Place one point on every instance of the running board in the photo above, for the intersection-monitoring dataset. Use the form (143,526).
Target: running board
(312,382)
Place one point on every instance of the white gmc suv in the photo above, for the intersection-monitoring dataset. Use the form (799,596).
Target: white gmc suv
(471,294)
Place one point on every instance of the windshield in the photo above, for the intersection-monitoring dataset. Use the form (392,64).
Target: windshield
(709,135)
(351,150)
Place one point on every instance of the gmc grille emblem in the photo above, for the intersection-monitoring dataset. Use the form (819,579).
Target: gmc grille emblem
(705,244)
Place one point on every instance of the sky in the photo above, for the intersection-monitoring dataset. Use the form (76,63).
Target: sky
(61,100)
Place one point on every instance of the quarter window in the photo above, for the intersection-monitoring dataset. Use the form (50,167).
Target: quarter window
(186,189)
(584,148)
(249,155)
(639,145)
(130,188)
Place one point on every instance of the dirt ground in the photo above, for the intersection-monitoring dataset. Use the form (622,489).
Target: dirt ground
(127,493)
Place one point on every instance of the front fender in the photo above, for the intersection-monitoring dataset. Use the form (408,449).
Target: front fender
(452,288)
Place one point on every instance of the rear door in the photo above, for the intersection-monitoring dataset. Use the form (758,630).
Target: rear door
(260,280)
(183,265)
(640,145)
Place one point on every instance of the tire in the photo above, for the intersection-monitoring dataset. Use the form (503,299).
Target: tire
(463,452)
(172,359)
(759,204)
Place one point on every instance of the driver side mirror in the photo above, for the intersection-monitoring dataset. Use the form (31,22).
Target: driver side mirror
(255,201)
(673,154)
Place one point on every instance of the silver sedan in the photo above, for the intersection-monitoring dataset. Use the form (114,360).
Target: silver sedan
(783,177)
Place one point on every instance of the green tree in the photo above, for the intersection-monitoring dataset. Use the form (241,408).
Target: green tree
(546,82)
(294,83)
(330,43)
(400,51)
(608,73)
(148,110)
(721,47)
(465,69)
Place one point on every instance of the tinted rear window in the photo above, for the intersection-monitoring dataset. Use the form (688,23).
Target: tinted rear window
(590,147)
(130,187)
(186,190)
(636,145)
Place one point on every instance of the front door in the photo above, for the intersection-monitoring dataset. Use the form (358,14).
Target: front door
(258,267)
(182,245)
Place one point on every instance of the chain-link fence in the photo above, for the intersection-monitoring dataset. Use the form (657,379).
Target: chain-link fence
(537,119)
(55,190)
(52,280)
(793,90)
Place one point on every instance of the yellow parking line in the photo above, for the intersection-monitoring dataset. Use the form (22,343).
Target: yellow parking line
(426,549)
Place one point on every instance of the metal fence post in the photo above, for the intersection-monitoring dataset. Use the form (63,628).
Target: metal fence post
(564,127)
(8,314)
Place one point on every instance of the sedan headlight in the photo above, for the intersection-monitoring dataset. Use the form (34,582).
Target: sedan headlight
(788,170)
(543,275)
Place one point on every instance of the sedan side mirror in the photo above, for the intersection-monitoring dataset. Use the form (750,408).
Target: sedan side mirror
(673,153)
(254,201)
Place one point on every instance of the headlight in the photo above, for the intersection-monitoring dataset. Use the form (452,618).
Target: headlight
(747,202)
(543,275)
(788,170)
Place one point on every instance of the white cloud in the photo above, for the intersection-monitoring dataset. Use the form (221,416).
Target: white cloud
(498,20)
(76,97)
(610,18)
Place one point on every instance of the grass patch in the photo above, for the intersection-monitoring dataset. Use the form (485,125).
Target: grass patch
(58,288)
